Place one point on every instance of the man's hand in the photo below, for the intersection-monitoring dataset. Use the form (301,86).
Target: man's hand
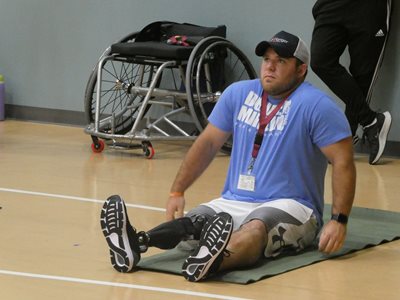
(332,237)
(175,205)
(199,156)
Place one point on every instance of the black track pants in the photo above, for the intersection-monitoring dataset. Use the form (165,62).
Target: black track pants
(363,26)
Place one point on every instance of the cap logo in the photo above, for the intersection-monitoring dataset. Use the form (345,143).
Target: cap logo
(278,40)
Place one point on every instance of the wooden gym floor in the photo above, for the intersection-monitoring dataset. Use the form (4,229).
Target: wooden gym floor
(51,192)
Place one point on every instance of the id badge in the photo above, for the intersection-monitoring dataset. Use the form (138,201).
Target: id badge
(247,183)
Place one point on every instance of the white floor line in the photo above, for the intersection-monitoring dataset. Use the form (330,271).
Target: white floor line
(117,284)
(75,198)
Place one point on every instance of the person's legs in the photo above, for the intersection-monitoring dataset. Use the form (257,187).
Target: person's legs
(329,40)
(368,27)
(211,250)
(246,245)
(363,25)
(126,244)
(241,248)
(271,229)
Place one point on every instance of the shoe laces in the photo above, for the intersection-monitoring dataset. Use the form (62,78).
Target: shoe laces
(371,134)
(218,261)
(226,253)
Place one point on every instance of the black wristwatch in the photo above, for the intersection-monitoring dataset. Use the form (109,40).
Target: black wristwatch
(341,218)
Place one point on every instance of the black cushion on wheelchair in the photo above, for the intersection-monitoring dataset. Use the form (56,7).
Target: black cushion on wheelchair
(152,40)
(152,49)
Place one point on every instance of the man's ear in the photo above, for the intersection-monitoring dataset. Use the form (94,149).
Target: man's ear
(302,70)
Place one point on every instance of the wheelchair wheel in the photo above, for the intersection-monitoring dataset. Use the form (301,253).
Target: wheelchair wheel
(98,146)
(214,64)
(148,149)
(116,99)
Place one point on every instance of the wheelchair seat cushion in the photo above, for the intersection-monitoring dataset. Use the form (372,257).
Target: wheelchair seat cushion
(152,40)
(153,49)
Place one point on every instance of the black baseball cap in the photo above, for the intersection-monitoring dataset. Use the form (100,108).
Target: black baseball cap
(286,45)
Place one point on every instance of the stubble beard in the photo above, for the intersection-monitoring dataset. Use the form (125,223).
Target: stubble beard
(283,90)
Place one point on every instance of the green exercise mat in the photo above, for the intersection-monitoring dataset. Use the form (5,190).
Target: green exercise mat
(366,228)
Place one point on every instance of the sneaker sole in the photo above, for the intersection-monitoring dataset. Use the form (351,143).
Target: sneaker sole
(383,136)
(115,232)
(196,267)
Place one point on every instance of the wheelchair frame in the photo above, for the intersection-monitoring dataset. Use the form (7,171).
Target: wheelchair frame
(115,114)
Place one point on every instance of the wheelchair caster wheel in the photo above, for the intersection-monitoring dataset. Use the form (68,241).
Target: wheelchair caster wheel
(148,150)
(98,146)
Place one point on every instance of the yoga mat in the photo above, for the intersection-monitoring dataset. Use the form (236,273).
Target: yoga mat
(366,228)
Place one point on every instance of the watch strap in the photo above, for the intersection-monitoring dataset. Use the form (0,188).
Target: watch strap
(341,218)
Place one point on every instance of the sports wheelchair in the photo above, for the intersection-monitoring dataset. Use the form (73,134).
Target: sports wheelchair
(178,70)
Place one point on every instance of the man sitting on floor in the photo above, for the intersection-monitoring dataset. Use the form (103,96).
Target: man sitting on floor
(284,133)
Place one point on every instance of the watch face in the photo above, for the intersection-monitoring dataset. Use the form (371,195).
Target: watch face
(341,218)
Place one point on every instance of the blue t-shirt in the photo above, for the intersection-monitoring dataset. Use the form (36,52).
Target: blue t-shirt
(290,163)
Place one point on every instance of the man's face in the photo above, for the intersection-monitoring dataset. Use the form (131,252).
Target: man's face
(279,75)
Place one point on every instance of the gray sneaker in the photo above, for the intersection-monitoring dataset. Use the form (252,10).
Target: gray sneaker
(208,256)
(376,135)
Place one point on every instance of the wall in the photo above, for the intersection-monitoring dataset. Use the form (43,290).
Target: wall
(48,47)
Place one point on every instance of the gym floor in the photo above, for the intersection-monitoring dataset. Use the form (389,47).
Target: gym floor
(52,187)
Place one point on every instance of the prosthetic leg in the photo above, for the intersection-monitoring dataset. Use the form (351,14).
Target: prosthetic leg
(169,234)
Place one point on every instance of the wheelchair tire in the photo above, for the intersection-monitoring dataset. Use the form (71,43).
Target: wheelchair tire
(214,64)
(98,147)
(148,149)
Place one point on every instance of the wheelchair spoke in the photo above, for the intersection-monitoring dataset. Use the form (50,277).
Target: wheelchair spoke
(116,100)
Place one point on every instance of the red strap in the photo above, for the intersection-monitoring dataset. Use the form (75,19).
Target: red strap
(178,40)
(264,121)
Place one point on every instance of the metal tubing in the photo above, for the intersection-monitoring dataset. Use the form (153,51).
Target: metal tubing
(149,94)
